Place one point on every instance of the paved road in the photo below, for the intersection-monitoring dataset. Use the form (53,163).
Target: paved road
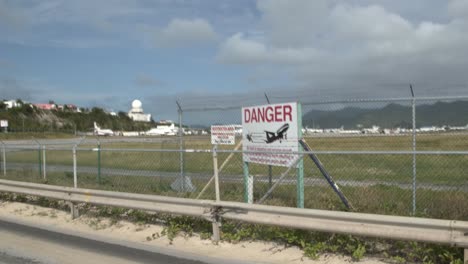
(25,244)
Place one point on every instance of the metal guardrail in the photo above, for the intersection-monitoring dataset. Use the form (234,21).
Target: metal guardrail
(449,232)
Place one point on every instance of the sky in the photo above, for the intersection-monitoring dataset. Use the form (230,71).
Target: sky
(218,53)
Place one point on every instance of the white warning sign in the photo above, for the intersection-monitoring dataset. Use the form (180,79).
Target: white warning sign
(223,135)
(269,132)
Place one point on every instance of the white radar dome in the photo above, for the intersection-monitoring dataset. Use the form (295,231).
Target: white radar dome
(136,104)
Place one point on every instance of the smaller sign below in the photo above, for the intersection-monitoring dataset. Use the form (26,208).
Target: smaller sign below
(223,135)
(3,123)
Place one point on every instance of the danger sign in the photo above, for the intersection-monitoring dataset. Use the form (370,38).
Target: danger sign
(223,135)
(269,132)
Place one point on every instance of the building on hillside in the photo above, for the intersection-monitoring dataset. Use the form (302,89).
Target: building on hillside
(137,114)
(68,107)
(166,122)
(11,104)
(46,106)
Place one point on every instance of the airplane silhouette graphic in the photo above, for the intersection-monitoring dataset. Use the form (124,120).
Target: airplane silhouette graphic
(280,134)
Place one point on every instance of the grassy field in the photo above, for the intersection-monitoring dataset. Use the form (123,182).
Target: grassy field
(436,169)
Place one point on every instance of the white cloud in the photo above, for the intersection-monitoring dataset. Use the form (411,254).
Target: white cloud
(332,43)
(371,22)
(458,8)
(294,23)
(240,50)
(183,32)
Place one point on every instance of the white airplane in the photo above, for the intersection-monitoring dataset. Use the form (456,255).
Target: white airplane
(102,132)
(162,130)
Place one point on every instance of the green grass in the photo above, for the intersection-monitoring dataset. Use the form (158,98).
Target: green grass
(434,169)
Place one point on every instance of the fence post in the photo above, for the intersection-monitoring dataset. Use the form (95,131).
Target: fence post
(270,168)
(413,106)
(300,164)
(216,172)
(99,162)
(181,153)
(248,184)
(270,176)
(39,152)
(75,177)
(4,158)
(44,172)
(75,172)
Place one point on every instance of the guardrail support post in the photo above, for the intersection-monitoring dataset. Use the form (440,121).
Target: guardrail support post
(216,223)
(73,210)
(466,256)
(216,233)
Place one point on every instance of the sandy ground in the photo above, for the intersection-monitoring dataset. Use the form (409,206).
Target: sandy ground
(261,252)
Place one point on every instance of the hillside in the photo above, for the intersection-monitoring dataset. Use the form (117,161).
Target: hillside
(391,115)
(27,119)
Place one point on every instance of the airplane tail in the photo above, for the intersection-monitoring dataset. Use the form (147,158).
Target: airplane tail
(96,127)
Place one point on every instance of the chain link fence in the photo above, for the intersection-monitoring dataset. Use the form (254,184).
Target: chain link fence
(401,156)
(367,148)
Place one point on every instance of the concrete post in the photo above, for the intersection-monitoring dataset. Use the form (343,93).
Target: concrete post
(73,210)
(466,256)
(216,223)
(216,233)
